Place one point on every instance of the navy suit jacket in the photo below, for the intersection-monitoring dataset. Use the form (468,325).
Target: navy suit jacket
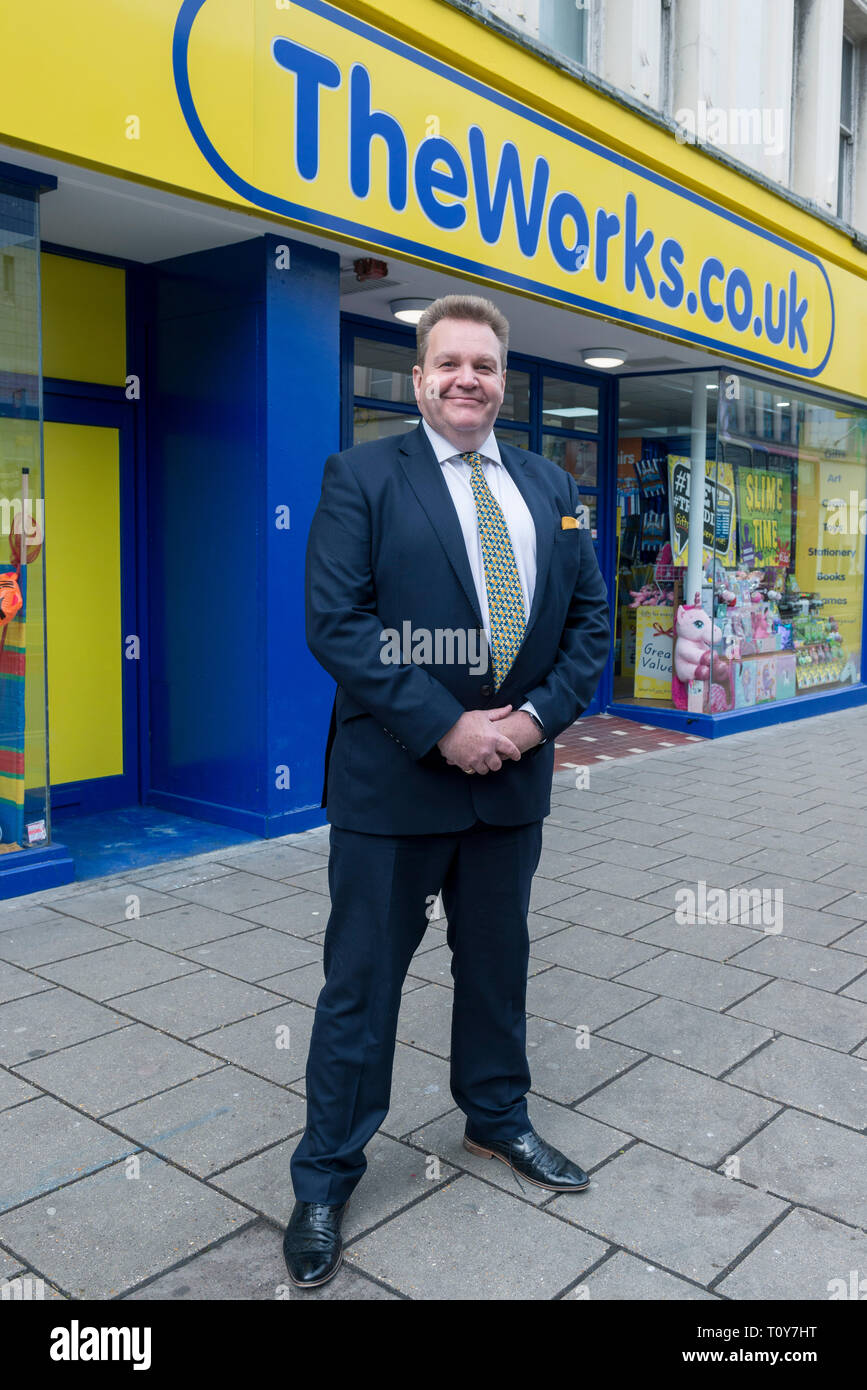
(386,547)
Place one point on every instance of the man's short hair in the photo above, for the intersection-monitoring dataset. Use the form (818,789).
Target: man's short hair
(462,306)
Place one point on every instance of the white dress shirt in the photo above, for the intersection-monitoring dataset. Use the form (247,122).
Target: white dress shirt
(516,514)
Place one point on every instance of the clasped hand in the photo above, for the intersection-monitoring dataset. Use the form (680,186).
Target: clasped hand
(483,738)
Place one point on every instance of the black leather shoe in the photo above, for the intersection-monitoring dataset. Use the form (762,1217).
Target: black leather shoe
(312,1247)
(535,1160)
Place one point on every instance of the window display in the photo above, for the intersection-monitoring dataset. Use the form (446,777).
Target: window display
(779,613)
(24,810)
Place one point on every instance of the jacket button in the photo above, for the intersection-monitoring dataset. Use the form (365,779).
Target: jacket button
(487,690)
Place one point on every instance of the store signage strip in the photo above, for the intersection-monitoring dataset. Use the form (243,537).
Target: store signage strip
(352,131)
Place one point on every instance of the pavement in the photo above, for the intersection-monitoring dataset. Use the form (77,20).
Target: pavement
(710,1075)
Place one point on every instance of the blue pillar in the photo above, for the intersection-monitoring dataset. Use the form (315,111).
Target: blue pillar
(243,410)
(302,427)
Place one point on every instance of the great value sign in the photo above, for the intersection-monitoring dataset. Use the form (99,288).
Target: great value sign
(310,113)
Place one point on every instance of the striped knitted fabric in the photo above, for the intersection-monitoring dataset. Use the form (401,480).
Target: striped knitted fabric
(502,581)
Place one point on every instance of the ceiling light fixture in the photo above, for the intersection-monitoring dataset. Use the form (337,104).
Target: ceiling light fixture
(409,310)
(603,357)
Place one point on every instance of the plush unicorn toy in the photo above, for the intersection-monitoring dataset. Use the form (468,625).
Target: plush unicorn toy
(695,634)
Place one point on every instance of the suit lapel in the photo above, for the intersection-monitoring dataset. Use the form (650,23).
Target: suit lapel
(525,477)
(425,476)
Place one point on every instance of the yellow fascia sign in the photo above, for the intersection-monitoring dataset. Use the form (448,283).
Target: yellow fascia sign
(337,125)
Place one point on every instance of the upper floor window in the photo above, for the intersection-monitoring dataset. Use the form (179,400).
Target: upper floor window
(560,25)
(847,131)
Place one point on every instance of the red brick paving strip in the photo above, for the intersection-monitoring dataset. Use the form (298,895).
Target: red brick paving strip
(601,737)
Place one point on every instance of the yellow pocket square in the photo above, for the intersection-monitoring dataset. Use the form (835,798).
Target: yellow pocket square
(567,523)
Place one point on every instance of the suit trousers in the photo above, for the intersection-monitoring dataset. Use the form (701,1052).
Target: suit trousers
(382,891)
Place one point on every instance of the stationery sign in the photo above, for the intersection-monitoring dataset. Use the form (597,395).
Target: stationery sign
(654,636)
(719,531)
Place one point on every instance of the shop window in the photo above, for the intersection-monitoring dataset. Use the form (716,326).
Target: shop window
(779,588)
(847,130)
(24,805)
(558,24)
(376,424)
(516,401)
(383,371)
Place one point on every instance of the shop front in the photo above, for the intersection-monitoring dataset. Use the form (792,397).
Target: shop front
(228,227)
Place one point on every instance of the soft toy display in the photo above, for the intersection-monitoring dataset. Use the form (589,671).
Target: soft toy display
(695,634)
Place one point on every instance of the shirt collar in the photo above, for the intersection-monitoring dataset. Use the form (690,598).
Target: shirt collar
(445,450)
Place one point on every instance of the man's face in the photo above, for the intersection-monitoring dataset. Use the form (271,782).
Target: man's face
(460,386)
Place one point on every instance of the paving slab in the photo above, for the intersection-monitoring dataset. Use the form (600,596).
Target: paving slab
(302,984)
(557,837)
(250,1265)
(823,967)
(711,940)
(106,1233)
(697,981)
(605,911)
(810,1077)
(9,1266)
(630,1279)
(277,861)
(807,1257)
(671,1211)
(105,906)
(593,952)
(811,1162)
(425,1019)
(851,905)
(42,1023)
(116,969)
(563,1071)
(196,1003)
(15,983)
(831,1020)
(475,1242)
(114,1070)
(686,1033)
(857,990)
(570,997)
(237,890)
(622,853)
(173,878)
(14,1091)
(301,914)
(52,938)
(854,941)
(180,927)
(679,1110)
(621,880)
(254,954)
(546,891)
(215,1120)
(273,1044)
(48,1145)
(798,892)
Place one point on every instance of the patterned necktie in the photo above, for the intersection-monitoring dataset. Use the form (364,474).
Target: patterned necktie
(502,581)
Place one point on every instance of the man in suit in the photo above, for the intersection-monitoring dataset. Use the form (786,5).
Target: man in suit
(460,608)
